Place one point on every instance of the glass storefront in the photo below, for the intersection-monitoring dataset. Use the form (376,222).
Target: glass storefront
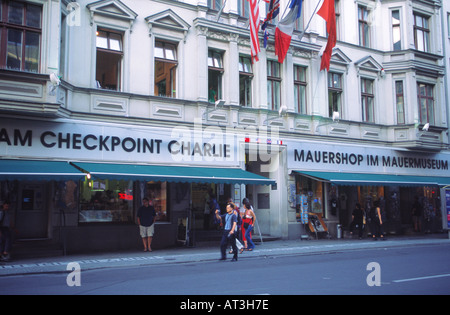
(113,201)
(106,201)
(310,197)
(396,204)
(157,193)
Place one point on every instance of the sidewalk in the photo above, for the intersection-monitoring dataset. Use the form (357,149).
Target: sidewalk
(208,252)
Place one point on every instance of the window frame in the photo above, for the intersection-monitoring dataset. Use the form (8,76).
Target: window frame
(337,10)
(429,102)
(300,84)
(396,28)
(274,85)
(25,29)
(400,114)
(217,70)
(363,26)
(119,54)
(244,8)
(368,100)
(335,90)
(246,78)
(422,30)
(165,59)
(215,4)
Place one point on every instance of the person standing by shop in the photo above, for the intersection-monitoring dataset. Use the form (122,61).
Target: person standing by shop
(5,232)
(146,217)
(228,236)
(417,211)
(376,221)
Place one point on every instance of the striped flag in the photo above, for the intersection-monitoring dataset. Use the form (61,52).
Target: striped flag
(254,28)
(285,28)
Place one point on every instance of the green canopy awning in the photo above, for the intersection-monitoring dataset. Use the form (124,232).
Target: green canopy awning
(38,170)
(359,179)
(164,173)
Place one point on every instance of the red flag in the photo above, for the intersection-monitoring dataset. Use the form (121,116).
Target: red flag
(254,29)
(328,13)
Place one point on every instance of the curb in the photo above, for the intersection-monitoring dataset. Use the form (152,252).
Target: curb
(57,265)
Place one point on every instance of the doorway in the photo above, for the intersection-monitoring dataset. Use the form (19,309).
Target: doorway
(32,214)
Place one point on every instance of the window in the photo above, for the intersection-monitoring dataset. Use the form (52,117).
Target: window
(448,24)
(426,103)
(396,31)
(421,33)
(20,36)
(300,89)
(363,23)
(157,193)
(165,69)
(334,93)
(109,60)
(245,81)
(112,201)
(367,100)
(273,85)
(244,8)
(215,73)
(311,196)
(106,201)
(400,102)
(337,10)
(215,4)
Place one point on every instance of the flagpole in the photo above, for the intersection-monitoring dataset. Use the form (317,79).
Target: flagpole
(309,22)
(221,10)
(285,9)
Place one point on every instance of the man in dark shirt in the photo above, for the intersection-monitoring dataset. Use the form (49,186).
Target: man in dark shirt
(146,217)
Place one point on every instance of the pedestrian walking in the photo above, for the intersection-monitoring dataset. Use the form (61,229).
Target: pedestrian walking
(5,232)
(237,232)
(248,223)
(228,237)
(146,217)
(357,220)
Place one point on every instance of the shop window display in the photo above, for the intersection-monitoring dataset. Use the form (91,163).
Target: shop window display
(106,201)
(157,193)
(309,197)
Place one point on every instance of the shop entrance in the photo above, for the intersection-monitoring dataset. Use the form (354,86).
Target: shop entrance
(32,214)
(204,218)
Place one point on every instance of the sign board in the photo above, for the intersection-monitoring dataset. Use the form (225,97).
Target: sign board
(447,204)
(332,157)
(118,143)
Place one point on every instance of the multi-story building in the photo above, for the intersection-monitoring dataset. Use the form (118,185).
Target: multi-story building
(104,102)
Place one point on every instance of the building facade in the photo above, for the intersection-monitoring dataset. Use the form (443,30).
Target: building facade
(105,102)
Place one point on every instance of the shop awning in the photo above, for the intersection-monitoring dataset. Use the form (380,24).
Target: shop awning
(359,179)
(172,173)
(38,170)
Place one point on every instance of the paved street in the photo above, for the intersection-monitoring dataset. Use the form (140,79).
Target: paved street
(419,269)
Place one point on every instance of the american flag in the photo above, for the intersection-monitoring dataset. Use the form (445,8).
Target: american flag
(254,29)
